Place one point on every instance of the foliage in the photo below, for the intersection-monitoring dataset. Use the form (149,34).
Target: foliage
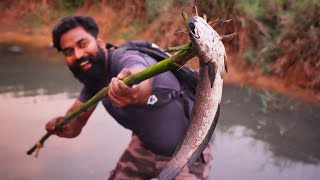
(250,55)
(275,29)
(155,8)
(130,33)
(277,35)
(32,20)
(70,4)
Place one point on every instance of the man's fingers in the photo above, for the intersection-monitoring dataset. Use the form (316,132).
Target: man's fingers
(120,90)
(124,73)
(131,92)
(114,94)
(61,131)
(115,101)
(126,93)
(125,89)
(50,127)
(120,93)
(114,89)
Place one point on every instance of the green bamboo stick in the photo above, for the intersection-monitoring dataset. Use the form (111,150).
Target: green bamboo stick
(173,62)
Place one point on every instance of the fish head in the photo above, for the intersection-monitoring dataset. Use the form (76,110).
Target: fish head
(206,41)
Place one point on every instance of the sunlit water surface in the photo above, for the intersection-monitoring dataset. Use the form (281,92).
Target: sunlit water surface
(259,135)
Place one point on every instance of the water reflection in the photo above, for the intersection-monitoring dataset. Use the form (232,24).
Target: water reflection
(291,128)
(259,136)
(239,156)
(31,77)
(89,156)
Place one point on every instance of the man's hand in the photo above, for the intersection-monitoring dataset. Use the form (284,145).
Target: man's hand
(122,94)
(66,131)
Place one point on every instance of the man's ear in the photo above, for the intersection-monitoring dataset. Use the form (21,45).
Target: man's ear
(100,42)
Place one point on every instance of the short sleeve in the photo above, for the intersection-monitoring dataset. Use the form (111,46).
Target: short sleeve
(129,59)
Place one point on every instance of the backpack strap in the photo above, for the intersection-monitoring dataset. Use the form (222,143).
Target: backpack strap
(109,46)
(142,46)
(163,96)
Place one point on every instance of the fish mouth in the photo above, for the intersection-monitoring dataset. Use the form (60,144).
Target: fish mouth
(192,28)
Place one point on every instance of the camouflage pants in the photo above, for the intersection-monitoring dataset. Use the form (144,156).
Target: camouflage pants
(138,163)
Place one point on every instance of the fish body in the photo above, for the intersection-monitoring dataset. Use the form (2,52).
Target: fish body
(205,113)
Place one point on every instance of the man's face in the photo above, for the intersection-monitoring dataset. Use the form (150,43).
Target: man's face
(85,58)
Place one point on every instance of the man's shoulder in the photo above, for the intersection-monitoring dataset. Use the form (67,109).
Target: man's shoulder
(125,53)
(125,59)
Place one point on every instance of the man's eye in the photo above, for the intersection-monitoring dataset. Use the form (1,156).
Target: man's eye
(67,52)
(83,44)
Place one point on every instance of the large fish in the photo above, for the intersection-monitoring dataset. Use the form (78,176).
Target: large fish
(209,48)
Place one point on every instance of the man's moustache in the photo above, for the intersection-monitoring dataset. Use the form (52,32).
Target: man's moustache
(78,62)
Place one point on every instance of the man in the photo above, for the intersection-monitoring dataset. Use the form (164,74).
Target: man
(157,130)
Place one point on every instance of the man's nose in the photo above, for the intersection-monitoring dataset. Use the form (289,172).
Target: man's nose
(78,53)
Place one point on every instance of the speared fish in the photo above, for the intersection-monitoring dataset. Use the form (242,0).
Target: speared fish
(209,48)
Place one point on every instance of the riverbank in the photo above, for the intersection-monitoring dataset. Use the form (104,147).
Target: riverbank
(40,46)
(26,29)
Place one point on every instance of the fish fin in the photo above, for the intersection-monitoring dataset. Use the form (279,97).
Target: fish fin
(212,69)
(219,23)
(205,18)
(169,172)
(228,36)
(226,66)
(214,22)
(206,140)
(225,62)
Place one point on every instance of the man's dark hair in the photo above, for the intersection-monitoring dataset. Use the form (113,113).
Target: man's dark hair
(70,22)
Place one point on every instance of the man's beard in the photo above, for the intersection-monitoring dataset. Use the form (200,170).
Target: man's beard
(94,76)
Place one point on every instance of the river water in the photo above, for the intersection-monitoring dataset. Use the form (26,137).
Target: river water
(260,135)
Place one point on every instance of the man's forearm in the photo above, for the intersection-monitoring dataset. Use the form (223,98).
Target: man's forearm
(74,128)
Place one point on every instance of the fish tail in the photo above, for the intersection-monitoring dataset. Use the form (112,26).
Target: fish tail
(206,140)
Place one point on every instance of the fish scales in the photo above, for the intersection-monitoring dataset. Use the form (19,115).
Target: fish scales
(211,52)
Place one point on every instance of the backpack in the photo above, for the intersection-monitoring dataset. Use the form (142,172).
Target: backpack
(187,77)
